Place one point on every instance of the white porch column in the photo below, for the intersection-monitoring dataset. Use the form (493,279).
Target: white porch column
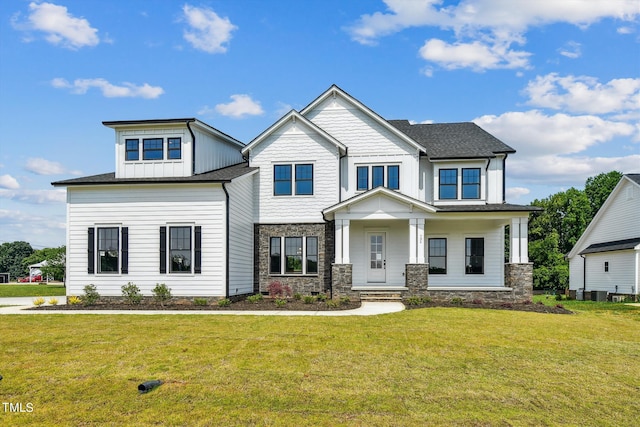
(345,242)
(420,238)
(519,240)
(338,241)
(413,250)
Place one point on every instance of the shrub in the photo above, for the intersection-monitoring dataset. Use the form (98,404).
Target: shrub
(559,297)
(414,301)
(280,302)
(254,299)
(345,300)
(200,301)
(161,293)
(308,299)
(91,295)
(426,300)
(53,301)
(278,290)
(456,301)
(131,293)
(332,304)
(73,300)
(225,302)
(297,296)
(322,297)
(38,301)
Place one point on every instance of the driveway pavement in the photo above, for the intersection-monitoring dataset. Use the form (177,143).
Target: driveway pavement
(368,308)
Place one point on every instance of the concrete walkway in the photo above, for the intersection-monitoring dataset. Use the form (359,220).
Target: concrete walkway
(368,308)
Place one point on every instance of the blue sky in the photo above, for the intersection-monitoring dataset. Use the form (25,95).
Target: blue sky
(559,81)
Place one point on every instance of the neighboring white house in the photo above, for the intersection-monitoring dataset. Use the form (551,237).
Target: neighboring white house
(333,198)
(607,256)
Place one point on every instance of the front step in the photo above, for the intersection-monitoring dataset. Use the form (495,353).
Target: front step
(380,296)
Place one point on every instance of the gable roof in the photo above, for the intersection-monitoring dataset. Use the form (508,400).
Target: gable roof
(453,140)
(185,121)
(222,175)
(616,245)
(395,195)
(293,116)
(334,90)
(634,179)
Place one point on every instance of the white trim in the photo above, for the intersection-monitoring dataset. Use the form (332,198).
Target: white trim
(470,288)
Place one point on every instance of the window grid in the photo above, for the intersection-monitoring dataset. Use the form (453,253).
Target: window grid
(438,256)
(448,184)
(180,249)
(174,149)
(304,179)
(381,176)
(152,149)
(474,256)
(108,250)
(300,255)
(282,180)
(132,149)
(471,183)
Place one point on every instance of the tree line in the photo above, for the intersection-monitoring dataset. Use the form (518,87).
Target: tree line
(16,257)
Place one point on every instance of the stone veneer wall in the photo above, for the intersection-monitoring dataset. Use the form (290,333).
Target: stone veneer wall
(416,279)
(520,278)
(306,284)
(342,281)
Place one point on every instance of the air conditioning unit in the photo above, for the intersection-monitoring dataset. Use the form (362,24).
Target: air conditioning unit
(617,298)
(599,296)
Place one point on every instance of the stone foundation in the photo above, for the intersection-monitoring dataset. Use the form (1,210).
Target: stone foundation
(416,279)
(520,278)
(341,278)
(303,284)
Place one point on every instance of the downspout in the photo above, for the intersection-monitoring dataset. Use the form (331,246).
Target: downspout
(193,148)
(584,275)
(227,282)
(504,177)
(486,180)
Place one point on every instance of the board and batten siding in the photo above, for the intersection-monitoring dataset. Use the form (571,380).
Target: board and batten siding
(144,209)
(241,207)
(295,143)
(213,153)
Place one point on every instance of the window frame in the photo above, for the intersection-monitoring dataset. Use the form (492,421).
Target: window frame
(431,256)
(476,185)
(279,256)
(127,150)
(469,266)
(171,250)
(447,185)
(171,150)
(147,151)
(606,266)
(99,249)
(303,180)
(276,179)
(365,181)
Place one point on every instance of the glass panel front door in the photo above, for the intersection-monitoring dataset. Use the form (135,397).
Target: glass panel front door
(377,260)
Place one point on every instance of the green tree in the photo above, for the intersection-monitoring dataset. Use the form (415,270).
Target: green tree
(11,257)
(599,187)
(55,258)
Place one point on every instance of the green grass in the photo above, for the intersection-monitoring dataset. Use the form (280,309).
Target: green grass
(21,290)
(591,306)
(437,366)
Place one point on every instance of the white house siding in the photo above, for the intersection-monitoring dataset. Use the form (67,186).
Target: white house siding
(620,277)
(494,180)
(241,207)
(213,153)
(618,219)
(456,231)
(153,168)
(368,142)
(144,209)
(296,143)
(426,180)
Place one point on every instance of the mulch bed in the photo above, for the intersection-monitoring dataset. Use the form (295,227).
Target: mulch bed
(293,305)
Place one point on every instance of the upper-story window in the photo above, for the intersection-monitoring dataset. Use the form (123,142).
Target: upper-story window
(152,149)
(132,149)
(379,176)
(174,150)
(448,183)
(284,177)
(471,183)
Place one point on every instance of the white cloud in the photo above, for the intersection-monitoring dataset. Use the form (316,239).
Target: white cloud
(60,27)
(584,94)
(38,197)
(533,133)
(484,30)
(109,90)
(516,192)
(571,50)
(240,106)
(207,31)
(625,30)
(9,182)
(40,166)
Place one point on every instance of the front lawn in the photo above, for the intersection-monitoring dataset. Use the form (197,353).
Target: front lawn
(21,290)
(435,366)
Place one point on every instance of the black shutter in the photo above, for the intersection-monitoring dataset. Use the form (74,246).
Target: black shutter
(163,250)
(124,264)
(197,262)
(91,258)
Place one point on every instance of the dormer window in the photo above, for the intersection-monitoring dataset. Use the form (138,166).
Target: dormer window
(132,149)
(174,150)
(152,149)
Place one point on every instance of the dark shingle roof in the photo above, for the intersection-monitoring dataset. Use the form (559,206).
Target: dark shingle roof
(453,140)
(635,177)
(495,207)
(616,245)
(219,176)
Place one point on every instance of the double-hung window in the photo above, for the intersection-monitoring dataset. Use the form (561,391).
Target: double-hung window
(368,177)
(108,250)
(293,180)
(174,148)
(471,183)
(448,183)
(152,149)
(474,255)
(132,149)
(181,249)
(437,256)
(293,255)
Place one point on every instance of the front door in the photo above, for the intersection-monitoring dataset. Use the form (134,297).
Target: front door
(377,262)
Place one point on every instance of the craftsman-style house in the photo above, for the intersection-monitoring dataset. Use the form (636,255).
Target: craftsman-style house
(330,199)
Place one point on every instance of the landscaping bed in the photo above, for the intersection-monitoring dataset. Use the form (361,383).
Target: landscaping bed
(538,307)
